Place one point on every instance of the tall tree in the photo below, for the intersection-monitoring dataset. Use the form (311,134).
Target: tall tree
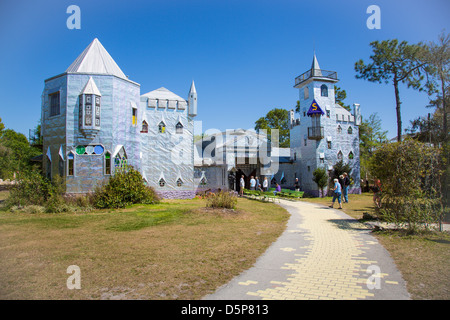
(393,62)
(437,57)
(276,119)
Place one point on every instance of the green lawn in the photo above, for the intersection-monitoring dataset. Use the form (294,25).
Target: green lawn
(178,249)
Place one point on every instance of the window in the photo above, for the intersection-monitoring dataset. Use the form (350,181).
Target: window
(162,183)
(179,128)
(70,164)
(324,90)
(339,155)
(144,127)
(295,156)
(54,104)
(306,93)
(203,181)
(322,160)
(309,168)
(329,144)
(350,155)
(134,116)
(107,163)
(49,169)
(61,167)
(350,130)
(339,129)
(305,142)
(97,111)
(179,182)
(162,127)
(328,113)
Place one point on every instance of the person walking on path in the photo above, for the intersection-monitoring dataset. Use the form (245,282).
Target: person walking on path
(337,193)
(265,184)
(345,187)
(241,185)
(257,185)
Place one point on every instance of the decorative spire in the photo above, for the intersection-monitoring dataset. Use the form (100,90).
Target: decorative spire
(315,68)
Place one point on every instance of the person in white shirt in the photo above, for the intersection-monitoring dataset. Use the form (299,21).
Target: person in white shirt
(241,185)
(252,183)
(265,184)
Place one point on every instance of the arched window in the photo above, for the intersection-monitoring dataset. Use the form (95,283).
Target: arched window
(107,163)
(350,155)
(324,90)
(70,164)
(179,182)
(350,130)
(162,183)
(162,127)
(179,128)
(144,127)
(340,155)
(339,129)
(306,93)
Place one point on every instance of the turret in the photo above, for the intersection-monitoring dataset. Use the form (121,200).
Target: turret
(192,101)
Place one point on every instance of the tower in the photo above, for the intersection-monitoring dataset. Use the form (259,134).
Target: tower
(325,133)
(192,100)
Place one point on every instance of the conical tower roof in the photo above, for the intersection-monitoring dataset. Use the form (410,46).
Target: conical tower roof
(95,59)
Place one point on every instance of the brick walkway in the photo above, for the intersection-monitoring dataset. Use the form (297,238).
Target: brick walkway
(323,254)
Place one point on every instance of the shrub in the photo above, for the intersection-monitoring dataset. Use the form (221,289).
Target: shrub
(410,173)
(320,177)
(222,199)
(124,188)
(31,189)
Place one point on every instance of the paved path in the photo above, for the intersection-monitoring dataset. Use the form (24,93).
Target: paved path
(323,254)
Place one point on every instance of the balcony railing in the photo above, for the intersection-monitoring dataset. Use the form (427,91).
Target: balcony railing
(315,133)
(315,73)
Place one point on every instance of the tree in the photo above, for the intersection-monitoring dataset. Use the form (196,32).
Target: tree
(437,57)
(276,119)
(339,96)
(15,153)
(395,63)
(320,177)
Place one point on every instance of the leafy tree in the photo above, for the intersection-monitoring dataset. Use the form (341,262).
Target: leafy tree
(320,177)
(339,96)
(2,126)
(276,119)
(371,137)
(16,153)
(395,63)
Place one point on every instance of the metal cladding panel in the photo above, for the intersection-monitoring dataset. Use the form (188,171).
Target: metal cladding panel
(168,155)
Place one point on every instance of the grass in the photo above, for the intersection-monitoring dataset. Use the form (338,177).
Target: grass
(422,258)
(178,249)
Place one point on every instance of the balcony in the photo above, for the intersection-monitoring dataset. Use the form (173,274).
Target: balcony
(318,73)
(315,133)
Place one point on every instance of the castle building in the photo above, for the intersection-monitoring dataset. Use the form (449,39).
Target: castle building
(324,133)
(95,121)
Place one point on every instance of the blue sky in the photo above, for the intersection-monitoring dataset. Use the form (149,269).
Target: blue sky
(243,55)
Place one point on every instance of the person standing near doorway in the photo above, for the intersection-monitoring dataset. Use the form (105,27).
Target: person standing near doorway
(241,186)
(265,184)
(297,185)
(252,183)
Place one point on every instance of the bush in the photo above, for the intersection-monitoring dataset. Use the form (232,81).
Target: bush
(124,188)
(31,189)
(410,173)
(222,199)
